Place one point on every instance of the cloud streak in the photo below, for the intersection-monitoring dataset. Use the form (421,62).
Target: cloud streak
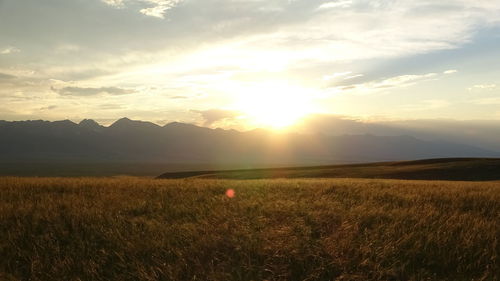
(4,76)
(83,92)
(114,3)
(160,7)
(487,87)
(336,4)
(155,8)
(388,83)
(9,50)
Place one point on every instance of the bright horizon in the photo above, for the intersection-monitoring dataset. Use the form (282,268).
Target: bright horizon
(249,64)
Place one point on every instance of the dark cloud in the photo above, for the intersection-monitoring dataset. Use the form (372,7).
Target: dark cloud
(4,76)
(213,115)
(78,91)
(50,107)
(350,87)
(179,97)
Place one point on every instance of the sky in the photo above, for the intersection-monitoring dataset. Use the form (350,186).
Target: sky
(246,64)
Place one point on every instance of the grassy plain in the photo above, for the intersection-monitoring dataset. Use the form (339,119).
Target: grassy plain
(274,229)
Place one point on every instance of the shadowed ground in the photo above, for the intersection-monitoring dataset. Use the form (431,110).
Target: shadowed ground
(463,169)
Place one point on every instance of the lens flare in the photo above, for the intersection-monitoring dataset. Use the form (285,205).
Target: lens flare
(230,193)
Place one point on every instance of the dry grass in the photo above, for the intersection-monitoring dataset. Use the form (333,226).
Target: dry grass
(301,229)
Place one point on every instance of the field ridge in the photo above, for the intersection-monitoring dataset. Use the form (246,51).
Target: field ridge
(459,169)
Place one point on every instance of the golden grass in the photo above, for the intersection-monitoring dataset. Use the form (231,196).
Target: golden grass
(282,229)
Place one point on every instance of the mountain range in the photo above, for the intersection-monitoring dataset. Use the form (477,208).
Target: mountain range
(130,141)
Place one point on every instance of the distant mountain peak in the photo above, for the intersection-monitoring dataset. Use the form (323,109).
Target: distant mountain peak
(128,123)
(174,123)
(89,123)
(185,127)
(64,123)
(179,124)
(121,121)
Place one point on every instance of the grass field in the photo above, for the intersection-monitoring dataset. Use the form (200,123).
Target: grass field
(275,229)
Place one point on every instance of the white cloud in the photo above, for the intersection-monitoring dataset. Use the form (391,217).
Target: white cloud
(336,4)
(157,11)
(9,50)
(451,71)
(114,3)
(156,8)
(406,79)
(353,76)
(392,82)
(159,8)
(389,29)
(483,87)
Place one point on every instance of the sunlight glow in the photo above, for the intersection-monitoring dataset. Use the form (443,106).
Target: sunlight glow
(275,104)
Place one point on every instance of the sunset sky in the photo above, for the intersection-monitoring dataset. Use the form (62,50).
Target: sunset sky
(249,63)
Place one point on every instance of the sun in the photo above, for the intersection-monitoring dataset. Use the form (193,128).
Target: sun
(275,105)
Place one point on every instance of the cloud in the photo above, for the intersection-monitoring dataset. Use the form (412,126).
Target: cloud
(483,87)
(9,50)
(451,71)
(50,107)
(371,29)
(4,76)
(262,40)
(157,8)
(336,4)
(392,82)
(354,76)
(79,91)
(179,97)
(212,116)
(404,80)
(114,3)
(301,32)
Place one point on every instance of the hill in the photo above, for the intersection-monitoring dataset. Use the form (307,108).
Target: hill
(465,169)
